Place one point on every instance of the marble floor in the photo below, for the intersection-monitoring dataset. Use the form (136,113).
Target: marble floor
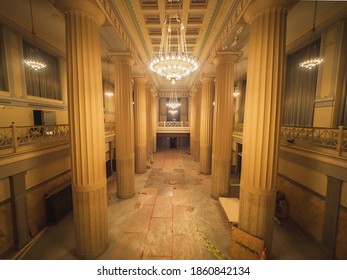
(171,216)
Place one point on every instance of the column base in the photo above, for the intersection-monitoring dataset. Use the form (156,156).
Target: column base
(91,256)
(257,212)
(90,219)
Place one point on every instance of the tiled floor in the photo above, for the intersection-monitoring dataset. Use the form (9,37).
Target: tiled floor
(171,216)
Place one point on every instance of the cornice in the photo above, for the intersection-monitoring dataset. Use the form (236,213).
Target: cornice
(113,16)
(234,18)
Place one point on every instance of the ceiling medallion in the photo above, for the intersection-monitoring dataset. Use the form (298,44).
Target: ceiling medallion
(173,60)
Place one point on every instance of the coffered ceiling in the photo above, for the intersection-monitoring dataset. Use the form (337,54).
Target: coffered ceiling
(135,26)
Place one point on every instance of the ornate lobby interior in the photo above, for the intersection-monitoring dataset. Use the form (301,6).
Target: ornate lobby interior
(173,129)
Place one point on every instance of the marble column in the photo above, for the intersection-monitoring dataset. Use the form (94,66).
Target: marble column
(222,123)
(197,124)
(154,119)
(124,125)
(86,121)
(192,121)
(206,120)
(140,124)
(266,64)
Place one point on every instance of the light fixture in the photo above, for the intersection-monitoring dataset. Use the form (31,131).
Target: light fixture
(236,92)
(173,103)
(314,60)
(173,60)
(172,111)
(33,60)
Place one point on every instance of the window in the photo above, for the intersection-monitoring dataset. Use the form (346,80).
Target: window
(300,90)
(3,72)
(44,82)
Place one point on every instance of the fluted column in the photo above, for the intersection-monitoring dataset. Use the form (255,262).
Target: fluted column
(140,124)
(266,62)
(197,124)
(154,119)
(124,125)
(206,120)
(149,120)
(86,120)
(222,123)
(192,121)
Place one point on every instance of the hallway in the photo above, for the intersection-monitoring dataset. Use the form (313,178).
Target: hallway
(171,216)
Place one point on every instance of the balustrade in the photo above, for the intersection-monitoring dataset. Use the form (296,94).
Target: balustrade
(330,139)
(13,138)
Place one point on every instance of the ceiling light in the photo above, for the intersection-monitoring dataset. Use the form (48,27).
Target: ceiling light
(33,60)
(173,103)
(312,60)
(173,60)
(236,92)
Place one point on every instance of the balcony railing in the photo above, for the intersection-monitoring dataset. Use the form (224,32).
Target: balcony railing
(173,126)
(15,139)
(332,140)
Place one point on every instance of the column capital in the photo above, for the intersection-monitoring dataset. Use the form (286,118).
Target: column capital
(124,57)
(140,79)
(154,92)
(226,57)
(207,78)
(89,7)
(258,6)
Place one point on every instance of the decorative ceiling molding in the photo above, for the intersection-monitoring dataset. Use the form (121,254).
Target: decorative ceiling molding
(209,26)
(234,18)
(112,14)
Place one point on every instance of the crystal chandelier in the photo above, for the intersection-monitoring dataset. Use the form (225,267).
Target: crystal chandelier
(172,111)
(173,103)
(314,60)
(33,60)
(35,64)
(173,60)
(236,92)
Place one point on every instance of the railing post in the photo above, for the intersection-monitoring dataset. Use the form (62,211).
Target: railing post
(14,137)
(340,140)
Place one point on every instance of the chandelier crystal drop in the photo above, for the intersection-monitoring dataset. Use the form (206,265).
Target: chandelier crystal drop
(173,60)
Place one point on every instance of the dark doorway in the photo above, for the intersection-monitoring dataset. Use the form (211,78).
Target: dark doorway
(173,142)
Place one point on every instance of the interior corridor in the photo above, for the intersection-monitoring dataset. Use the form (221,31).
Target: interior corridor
(171,216)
